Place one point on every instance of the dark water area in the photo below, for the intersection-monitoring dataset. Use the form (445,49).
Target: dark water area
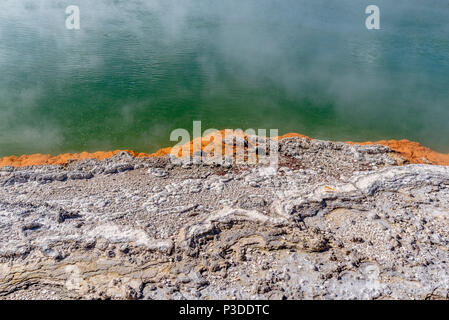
(136,70)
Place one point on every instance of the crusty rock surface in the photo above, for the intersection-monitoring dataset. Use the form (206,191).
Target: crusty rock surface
(333,221)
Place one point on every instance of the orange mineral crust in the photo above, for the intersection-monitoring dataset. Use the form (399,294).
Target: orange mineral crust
(413,152)
(43,159)
(409,151)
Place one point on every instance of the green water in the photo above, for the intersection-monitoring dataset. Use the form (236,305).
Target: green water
(136,70)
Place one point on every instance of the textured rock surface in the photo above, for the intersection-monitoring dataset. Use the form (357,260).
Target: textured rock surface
(334,221)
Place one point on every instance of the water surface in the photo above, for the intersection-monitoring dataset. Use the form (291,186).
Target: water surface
(136,70)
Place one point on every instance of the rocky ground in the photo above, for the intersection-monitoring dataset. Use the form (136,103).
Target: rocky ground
(333,221)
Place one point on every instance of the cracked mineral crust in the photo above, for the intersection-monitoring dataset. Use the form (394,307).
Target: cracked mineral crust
(332,221)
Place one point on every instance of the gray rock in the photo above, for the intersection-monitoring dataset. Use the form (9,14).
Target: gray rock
(333,221)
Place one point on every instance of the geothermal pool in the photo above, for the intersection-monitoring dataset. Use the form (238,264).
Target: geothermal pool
(136,70)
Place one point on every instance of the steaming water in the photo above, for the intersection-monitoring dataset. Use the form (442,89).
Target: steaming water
(139,69)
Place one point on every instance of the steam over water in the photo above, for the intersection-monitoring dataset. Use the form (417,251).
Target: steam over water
(136,70)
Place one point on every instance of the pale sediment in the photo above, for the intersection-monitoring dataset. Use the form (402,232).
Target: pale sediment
(333,221)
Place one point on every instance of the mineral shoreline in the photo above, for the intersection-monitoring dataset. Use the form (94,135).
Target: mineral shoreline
(412,152)
(332,221)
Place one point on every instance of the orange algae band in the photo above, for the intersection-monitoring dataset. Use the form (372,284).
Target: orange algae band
(46,159)
(412,152)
